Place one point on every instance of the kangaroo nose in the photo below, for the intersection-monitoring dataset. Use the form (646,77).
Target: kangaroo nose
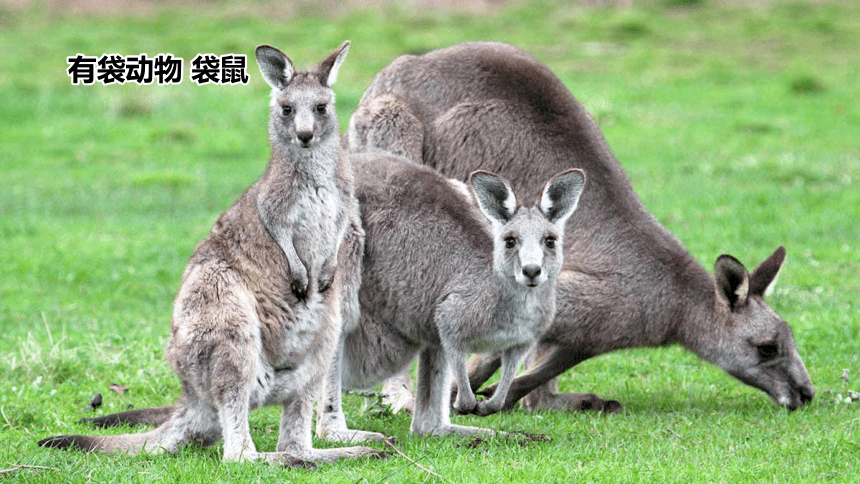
(806,394)
(305,136)
(531,271)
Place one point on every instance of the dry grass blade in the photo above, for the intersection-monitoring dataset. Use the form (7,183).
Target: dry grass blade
(18,467)
(401,454)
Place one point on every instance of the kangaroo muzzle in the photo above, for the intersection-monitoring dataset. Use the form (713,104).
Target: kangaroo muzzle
(531,261)
(305,137)
(304,128)
(532,272)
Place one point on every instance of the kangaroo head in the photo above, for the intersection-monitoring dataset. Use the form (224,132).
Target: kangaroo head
(527,242)
(758,348)
(302,109)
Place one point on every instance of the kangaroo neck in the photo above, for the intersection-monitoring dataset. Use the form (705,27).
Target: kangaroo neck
(313,166)
(519,301)
(680,305)
(634,296)
(705,317)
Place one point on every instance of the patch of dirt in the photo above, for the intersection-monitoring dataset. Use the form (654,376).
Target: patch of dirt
(522,439)
(479,441)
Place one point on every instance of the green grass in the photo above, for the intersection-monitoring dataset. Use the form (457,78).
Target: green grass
(738,125)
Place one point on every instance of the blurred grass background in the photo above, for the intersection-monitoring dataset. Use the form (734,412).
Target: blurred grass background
(737,122)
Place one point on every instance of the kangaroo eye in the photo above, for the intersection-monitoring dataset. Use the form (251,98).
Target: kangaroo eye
(510,242)
(550,242)
(286,110)
(767,351)
(321,108)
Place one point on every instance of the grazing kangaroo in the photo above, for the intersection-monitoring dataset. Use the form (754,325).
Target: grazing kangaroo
(443,276)
(258,315)
(627,282)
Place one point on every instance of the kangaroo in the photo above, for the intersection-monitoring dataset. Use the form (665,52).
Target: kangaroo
(443,276)
(258,315)
(627,282)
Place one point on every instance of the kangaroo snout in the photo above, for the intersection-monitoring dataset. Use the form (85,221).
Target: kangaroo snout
(797,397)
(305,137)
(531,271)
(807,393)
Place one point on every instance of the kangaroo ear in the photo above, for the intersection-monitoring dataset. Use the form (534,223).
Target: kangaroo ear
(560,196)
(327,68)
(763,278)
(276,67)
(732,280)
(495,196)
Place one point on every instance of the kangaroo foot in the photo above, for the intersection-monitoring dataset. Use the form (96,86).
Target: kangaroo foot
(348,436)
(572,402)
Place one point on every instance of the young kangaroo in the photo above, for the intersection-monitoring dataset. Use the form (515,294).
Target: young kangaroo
(444,275)
(627,282)
(258,316)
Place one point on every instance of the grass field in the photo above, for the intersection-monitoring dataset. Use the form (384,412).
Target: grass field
(738,123)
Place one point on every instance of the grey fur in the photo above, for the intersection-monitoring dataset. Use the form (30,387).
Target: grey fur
(440,281)
(390,126)
(627,281)
(258,315)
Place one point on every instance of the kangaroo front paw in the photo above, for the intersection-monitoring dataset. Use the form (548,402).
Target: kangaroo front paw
(465,405)
(571,402)
(299,280)
(299,288)
(326,277)
(324,284)
(488,407)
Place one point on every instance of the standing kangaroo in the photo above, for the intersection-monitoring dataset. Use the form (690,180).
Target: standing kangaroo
(258,315)
(443,276)
(627,282)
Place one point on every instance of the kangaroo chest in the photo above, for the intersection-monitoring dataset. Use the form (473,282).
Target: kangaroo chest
(314,219)
(515,321)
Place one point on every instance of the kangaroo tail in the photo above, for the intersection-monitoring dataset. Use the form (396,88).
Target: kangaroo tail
(132,443)
(78,442)
(179,425)
(141,416)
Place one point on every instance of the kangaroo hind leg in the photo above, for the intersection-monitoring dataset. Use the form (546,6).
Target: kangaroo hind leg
(432,401)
